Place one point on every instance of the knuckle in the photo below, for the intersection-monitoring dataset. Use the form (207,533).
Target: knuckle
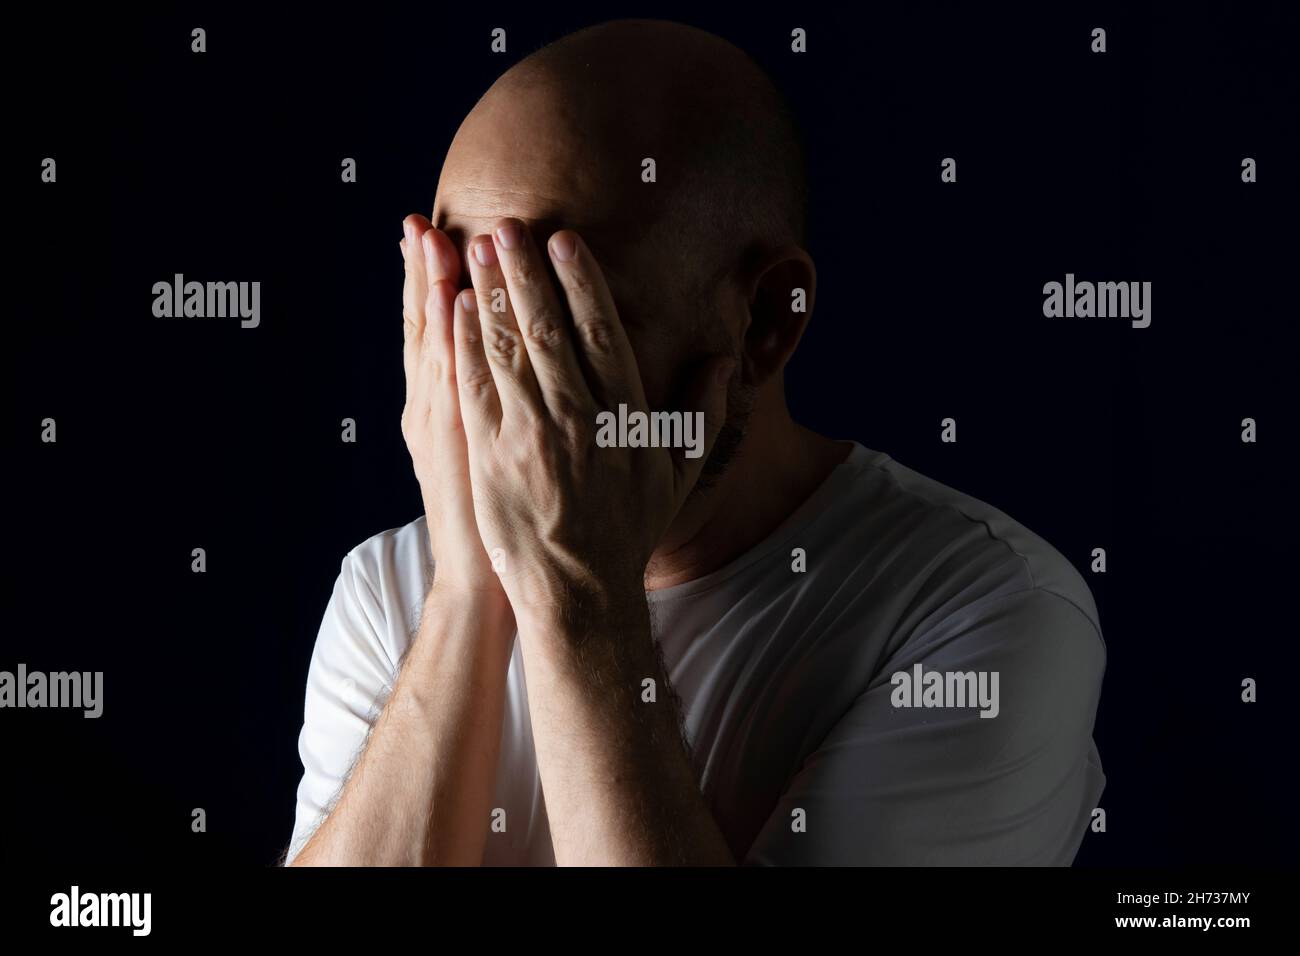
(477,384)
(545,332)
(503,347)
(598,335)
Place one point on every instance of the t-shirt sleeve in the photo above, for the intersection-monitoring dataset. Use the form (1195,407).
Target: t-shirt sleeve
(943,786)
(349,678)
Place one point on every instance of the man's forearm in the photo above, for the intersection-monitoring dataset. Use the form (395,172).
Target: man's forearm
(420,793)
(619,785)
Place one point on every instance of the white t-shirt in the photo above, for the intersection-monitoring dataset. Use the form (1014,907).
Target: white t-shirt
(808,752)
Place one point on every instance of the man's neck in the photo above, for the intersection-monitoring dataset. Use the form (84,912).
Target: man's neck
(777,467)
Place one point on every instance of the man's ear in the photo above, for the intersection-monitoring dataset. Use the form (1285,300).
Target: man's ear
(782,288)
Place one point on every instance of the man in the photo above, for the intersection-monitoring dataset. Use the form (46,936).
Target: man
(784,649)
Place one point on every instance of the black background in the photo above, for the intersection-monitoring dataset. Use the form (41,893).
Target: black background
(176,434)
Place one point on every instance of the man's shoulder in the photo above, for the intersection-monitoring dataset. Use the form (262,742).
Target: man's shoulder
(404,547)
(393,570)
(948,540)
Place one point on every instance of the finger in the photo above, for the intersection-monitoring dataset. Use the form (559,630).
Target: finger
(502,342)
(480,406)
(541,320)
(410,350)
(442,264)
(438,352)
(416,288)
(604,345)
(414,293)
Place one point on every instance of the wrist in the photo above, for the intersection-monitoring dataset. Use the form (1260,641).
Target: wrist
(583,612)
(486,604)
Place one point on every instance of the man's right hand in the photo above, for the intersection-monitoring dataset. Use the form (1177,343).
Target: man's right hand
(431,422)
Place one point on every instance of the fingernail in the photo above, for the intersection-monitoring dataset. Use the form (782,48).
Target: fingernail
(468,301)
(485,253)
(509,236)
(722,374)
(427,238)
(563,247)
(408,227)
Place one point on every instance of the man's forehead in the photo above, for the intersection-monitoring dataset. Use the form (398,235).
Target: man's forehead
(471,211)
(495,170)
(466,210)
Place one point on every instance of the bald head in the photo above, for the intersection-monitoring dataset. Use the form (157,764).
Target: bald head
(703,259)
(725,145)
(561,137)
